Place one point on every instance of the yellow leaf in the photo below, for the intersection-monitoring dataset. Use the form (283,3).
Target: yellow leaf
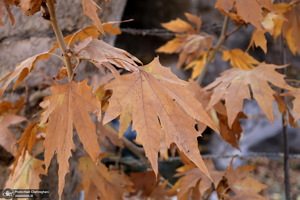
(178,26)
(197,65)
(239,59)
(258,39)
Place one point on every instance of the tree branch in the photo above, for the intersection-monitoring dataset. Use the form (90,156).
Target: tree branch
(60,38)
(216,49)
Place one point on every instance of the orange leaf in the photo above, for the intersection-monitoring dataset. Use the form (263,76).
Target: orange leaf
(231,135)
(22,70)
(90,9)
(233,86)
(243,187)
(291,28)
(239,59)
(178,26)
(26,142)
(258,39)
(161,104)
(69,105)
(97,179)
(296,108)
(195,181)
(253,15)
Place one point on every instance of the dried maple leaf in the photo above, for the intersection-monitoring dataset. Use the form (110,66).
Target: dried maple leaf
(239,59)
(239,10)
(242,186)
(26,174)
(291,28)
(30,7)
(219,116)
(233,87)
(258,39)
(27,142)
(194,182)
(68,106)
(97,180)
(190,43)
(231,134)
(197,64)
(90,9)
(296,107)
(144,183)
(101,53)
(161,105)
(22,70)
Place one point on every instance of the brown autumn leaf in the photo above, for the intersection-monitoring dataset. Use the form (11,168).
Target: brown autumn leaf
(231,134)
(27,142)
(5,5)
(286,110)
(291,28)
(189,42)
(161,104)
(97,180)
(90,9)
(144,183)
(233,87)
(68,106)
(218,113)
(243,186)
(101,53)
(22,70)
(239,59)
(194,182)
(296,105)
(30,7)
(26,174)
(258,39)
(239,10)
(197,64)
(160,192)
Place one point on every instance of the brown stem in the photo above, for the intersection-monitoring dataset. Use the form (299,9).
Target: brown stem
(216,49)
(60,39)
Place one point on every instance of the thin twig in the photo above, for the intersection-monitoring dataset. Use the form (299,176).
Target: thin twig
(284,129)
(215,50)
(60,39)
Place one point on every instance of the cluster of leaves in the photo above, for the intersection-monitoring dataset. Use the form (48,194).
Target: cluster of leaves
(163,109)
